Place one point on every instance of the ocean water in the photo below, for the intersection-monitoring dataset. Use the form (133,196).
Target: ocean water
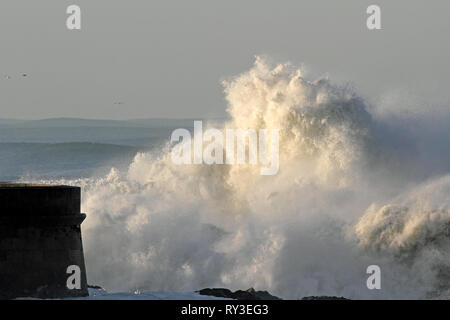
(57,148)
(359,184)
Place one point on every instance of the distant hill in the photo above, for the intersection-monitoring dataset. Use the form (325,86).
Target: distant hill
(76,122)
(7,122)
(79,122)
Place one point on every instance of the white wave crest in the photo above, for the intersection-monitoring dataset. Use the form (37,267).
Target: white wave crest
(305,231)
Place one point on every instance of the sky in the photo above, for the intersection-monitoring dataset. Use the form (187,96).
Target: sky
(150,59)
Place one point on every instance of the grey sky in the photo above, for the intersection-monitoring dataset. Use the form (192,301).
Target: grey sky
(167,58)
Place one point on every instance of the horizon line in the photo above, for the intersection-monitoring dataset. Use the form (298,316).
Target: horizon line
(105,119)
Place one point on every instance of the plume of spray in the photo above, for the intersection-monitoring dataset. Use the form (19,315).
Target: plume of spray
(347,195)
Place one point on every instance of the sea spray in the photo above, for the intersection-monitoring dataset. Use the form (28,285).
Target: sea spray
(335,207)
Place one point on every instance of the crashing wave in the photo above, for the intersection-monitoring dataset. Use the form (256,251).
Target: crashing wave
(302,232)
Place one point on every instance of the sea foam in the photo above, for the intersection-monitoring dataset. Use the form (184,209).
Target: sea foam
(356,186)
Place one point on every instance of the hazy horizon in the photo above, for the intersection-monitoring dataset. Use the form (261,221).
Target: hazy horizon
(167,59)
(106,119)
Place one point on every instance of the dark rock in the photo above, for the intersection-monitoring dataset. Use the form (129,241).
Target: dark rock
(324,298)
(216,292)
(94,287)
(249,294)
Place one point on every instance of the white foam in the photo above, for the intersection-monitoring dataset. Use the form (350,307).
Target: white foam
(312,229)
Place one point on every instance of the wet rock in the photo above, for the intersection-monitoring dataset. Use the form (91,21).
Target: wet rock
(324,298)
(249,294)
(90,286)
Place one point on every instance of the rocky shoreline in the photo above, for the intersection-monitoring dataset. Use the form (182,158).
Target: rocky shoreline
(249,294)
(252,294)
